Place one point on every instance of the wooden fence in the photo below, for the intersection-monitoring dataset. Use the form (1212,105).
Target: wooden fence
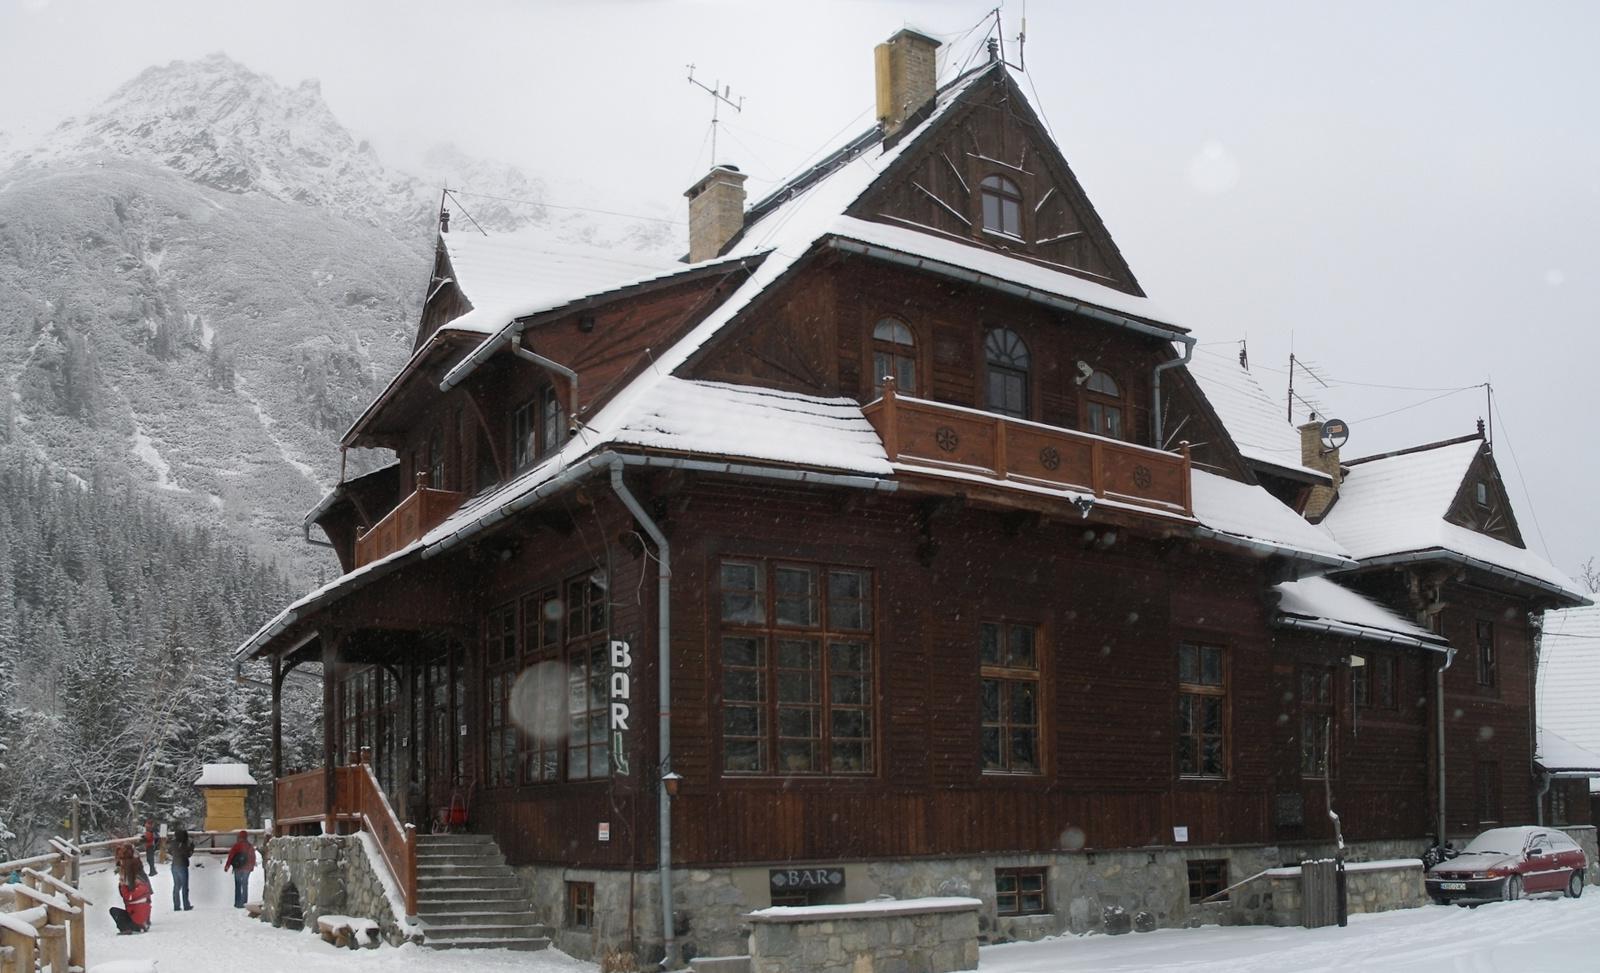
(47,916)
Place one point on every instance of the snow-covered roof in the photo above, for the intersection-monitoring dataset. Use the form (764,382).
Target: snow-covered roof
(1254,422)
(512,275)
(1569,678)
(1333,608)
(1563,758)
(1396,506)
(225,775)
(1253,515)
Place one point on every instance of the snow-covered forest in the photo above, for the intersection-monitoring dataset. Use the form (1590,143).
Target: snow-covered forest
(115,680)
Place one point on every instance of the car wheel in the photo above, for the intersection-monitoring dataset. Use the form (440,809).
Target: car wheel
(1512,889)
(1575,885)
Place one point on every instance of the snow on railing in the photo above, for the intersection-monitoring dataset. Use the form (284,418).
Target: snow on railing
(48,913)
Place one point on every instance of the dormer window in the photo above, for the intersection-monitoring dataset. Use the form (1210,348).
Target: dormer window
(894,352)
(1006,373)
(536,427)
(1104,405)
(1002,206)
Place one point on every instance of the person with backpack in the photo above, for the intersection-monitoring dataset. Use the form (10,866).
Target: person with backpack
(242,859)
(179,850)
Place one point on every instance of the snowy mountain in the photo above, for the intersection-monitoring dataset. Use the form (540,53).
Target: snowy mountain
(204,280)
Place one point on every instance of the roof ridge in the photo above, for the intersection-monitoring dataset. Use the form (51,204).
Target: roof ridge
(1478,436)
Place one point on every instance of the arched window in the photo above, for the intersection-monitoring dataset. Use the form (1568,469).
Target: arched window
(1104,405)
(894,352)
(1002,206)
(1006,373)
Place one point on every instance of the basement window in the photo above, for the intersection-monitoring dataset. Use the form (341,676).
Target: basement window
(1207,877)
(580,905)
(1020,892)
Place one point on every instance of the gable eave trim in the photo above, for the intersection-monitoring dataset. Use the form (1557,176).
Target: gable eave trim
(1164,332)
(1572,598)
(1327,626)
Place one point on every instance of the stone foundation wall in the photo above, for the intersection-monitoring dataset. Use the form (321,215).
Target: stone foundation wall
(936,935)
(1584,835)
(334,877)
(1276,899)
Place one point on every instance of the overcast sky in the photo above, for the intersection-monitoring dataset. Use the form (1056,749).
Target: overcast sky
(1404,194)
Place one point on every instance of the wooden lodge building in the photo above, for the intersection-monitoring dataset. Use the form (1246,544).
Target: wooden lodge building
(894,543)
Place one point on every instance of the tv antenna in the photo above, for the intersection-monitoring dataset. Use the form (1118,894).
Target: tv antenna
(718,99)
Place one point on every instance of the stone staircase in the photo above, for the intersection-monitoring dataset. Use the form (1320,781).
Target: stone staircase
(468,897)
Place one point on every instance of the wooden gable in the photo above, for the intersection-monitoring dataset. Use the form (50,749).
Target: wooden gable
(444,301)
(1482,505)
(937,187)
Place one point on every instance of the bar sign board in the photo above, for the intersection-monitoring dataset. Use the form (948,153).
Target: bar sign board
(783,879)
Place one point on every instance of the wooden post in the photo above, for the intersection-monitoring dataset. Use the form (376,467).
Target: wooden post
(365,756)
(1188,479)
(278,676)
(891,420)
(53,947)
(1097,468)
(330,728)
(1000,449)
(411,870)
(21,946)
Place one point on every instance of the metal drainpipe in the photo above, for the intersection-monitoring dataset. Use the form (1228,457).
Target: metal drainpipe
(1449,657)
(1155,387)
(1538,799)
(512,336)
(669,960)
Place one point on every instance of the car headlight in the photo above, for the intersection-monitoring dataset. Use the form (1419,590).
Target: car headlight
(1488,874)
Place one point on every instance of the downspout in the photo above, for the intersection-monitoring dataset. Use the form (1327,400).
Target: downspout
(1449,657)
(669,942)
(1538,798)
(512,336)
(1155,387)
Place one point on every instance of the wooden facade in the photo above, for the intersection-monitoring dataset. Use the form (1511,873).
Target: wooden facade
(1022,644)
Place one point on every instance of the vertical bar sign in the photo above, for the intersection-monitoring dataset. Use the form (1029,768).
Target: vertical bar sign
(621,699)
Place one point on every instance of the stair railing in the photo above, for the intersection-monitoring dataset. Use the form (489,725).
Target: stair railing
(396,842)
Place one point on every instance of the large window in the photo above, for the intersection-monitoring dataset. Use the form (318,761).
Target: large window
(1202,710)
(797,674)
(1316,720)
(1008,697)
(1374,681)
(588,671)
(536,427)
(1104,406)
(500,658)
(894,352)
(539,755)
(1005,360)
(1487,676)
(1002,206)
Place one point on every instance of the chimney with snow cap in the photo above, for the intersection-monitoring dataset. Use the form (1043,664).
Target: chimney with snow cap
(716,211)
(907,74)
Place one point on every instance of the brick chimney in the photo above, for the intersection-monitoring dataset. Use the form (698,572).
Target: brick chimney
(716,211)
(1312,454)
(907,77)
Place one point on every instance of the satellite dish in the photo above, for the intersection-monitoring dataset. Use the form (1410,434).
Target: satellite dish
(1335,433)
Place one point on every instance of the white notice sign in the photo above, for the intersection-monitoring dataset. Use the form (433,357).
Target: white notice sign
(605,830)
(1180,835)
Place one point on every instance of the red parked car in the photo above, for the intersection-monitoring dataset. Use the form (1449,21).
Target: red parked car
(1505,863)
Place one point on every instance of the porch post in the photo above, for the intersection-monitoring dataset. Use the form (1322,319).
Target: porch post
(330,715)
(277,717)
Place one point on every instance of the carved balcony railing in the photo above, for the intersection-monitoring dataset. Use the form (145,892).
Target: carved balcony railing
(967,443)
(417,514)
(358,800)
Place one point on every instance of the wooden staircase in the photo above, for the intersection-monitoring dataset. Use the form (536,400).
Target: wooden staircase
(468,897)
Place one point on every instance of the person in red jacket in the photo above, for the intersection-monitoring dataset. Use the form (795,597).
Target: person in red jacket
(135,891)
(241,858)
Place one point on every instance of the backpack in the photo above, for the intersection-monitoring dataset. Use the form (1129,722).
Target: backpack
(239,859)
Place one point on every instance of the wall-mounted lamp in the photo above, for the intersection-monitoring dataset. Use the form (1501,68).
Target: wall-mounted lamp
(670,781)
(1084,504)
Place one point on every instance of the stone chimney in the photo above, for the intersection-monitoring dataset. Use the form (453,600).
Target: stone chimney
(716,211)
(907,77)
(1313,455)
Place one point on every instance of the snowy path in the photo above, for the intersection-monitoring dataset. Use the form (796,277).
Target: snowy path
(217,937)
(1515,937)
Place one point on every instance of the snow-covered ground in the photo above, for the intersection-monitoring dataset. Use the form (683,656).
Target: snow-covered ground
(1513,937)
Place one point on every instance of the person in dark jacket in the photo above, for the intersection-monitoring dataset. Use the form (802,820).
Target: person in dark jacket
(179,850)
(241,858)
(149,842)
(134,888)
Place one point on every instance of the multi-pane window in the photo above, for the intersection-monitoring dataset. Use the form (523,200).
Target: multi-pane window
(1002,206)
(436,459)
(1005,360)
(797,677)
(588,672)
(1020,892)
(1207,877)
(500,667)
(1008,697)
(1202,710)
(580,905)
(1488,790)
(1104,405)
(1486,659)
(1374,682)
(1316,720)
(550,437)
(524,434)
(894,352)
(370,716)
(539,753)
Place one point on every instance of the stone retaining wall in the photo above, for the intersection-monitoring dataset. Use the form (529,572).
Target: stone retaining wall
(932,935)
(1276,899)
(333,877)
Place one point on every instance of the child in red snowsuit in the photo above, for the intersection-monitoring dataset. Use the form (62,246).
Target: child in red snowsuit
(135,891)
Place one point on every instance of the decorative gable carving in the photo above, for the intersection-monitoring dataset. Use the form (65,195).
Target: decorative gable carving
(1035,210)
(1482,504)
(792,346)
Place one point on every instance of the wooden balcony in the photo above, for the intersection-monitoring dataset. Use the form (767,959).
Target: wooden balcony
(417,514)
(970,443)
